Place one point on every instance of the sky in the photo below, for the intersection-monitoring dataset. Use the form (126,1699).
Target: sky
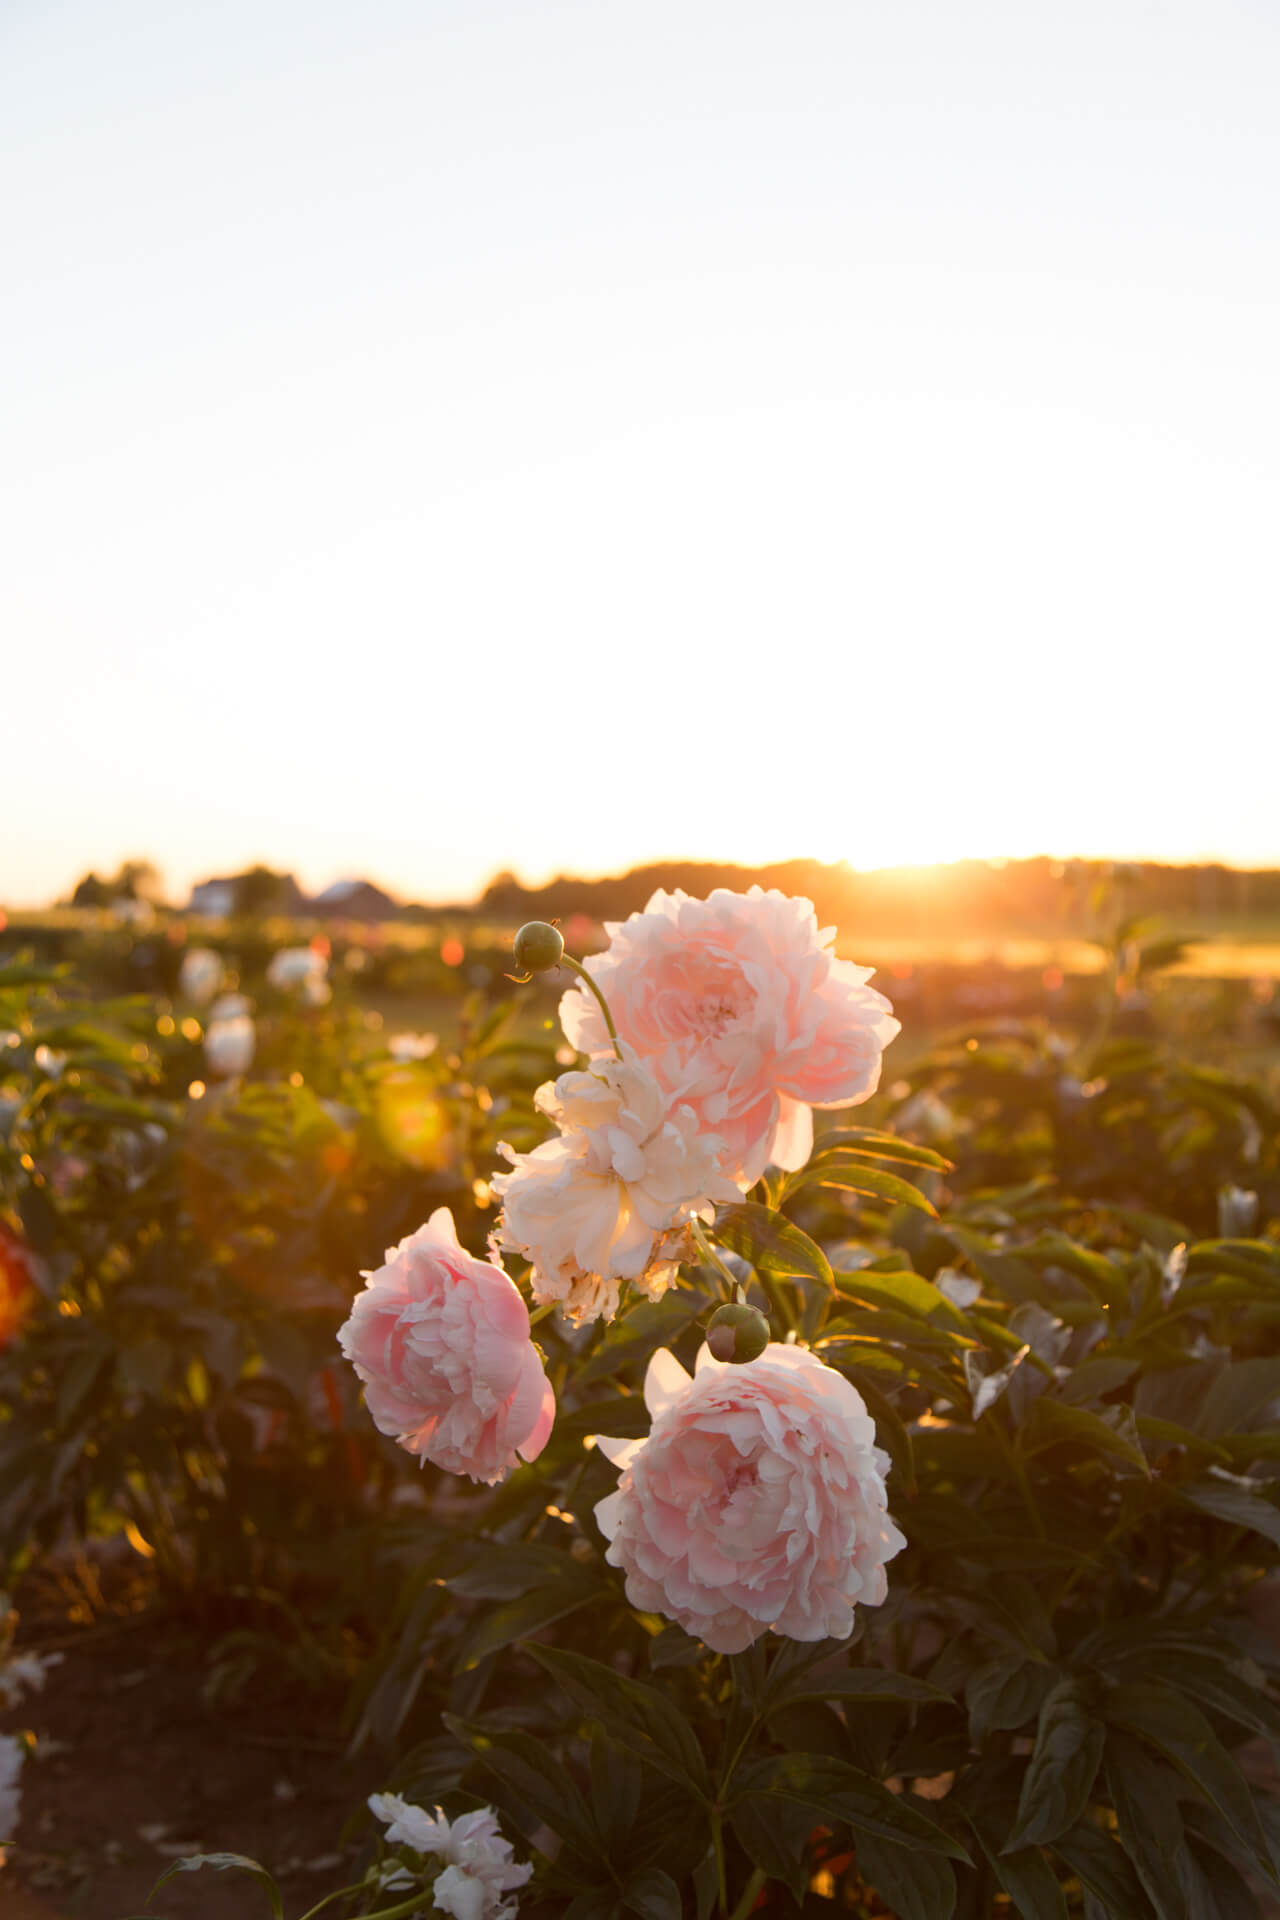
(441,437)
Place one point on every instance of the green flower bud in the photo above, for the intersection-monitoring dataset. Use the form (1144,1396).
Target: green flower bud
(737,1334)
(538,947)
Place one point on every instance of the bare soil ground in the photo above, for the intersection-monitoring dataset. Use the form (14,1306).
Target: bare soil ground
(132,1768)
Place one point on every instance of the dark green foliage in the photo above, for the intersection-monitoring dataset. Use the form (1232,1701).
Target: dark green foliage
(1073,1371)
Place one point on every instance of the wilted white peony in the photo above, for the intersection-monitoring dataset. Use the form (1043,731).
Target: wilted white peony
(609,1199)
(479,1866)
(200,975)
(229,1037)
(12,1755)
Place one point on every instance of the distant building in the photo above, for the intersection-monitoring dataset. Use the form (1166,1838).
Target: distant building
(355,900)
(215,898)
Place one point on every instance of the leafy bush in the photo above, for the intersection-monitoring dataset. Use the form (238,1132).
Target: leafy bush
(1075,1377)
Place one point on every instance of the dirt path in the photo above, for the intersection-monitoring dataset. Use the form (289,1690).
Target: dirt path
(132,1769)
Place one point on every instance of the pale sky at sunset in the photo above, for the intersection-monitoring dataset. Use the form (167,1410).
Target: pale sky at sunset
(440,437)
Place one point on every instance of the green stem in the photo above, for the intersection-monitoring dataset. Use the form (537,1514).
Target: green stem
(717,1841)
(535,1314)
(357,1886)
(416,1904)
(576,966)
(713,1259)
(749,1893)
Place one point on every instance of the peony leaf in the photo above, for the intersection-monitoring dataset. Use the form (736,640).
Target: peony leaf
(1180,1733)
(1064,1764)
(1001,1698)
(832,1791)
(1103,1869)
(914,1885)
(843,1170)
(221,1861)
(772,1243)
(880,1146)
(653,1895)
(644,1720)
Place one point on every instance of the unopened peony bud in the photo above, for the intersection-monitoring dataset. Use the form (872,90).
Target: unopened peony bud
(737,1334)
(538,947)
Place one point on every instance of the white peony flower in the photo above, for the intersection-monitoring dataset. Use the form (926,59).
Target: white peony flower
(294,966)
(609,1200)
(229,1037)
(479,1866)
(200,975)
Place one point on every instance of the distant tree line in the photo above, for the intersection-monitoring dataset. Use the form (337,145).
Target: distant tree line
(966,896)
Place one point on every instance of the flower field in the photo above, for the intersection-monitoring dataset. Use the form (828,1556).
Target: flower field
(701,1429)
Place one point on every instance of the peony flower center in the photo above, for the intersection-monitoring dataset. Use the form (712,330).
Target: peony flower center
(700,997)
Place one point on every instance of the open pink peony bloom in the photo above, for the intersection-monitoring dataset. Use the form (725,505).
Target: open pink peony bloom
(744,1013)
(606,1201)
(756,1502)
(441,1341)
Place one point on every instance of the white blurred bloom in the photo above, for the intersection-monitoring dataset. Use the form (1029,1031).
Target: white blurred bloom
(1237,1212)
(296,967)
(229,1037)
(12,1755)
(607,1200)
(412,1046)
(200,975)
(49,1061)
(479,1866)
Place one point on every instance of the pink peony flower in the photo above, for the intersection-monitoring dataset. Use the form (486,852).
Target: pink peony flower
(756,1502)
(744,1013)
(609,1199)
(441,1342)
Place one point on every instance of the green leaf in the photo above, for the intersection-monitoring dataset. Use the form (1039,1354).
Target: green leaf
(220,1862)
(879,1146)
(1001,1698)
(643,1719)
(1238,1395)
(1060,1776)
(1104,1870)
(1180,1732)
(904,1292)
(771,1242)
(653,1895)
(1030,1882)
(854,1176)
(913,1885)
(1225,1501)
(1112,1431)
(861,1685)
(515,1619)
(646,1325)
(544,1793)
(833,1791)
(1145,1797)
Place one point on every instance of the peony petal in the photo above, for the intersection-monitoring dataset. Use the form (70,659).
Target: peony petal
(665,1384)
(621,1452)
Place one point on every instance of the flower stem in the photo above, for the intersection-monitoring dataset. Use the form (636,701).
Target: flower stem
(576,966)
(717,1841)
(749,1894)
(712,1258)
